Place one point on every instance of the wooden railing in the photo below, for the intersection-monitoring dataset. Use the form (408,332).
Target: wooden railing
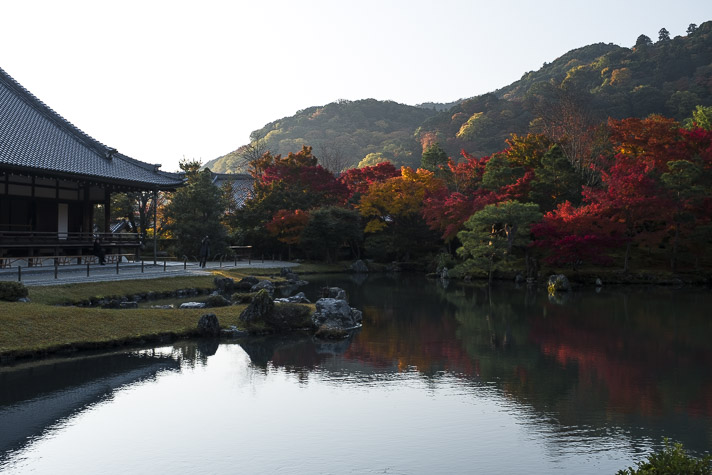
(35,239)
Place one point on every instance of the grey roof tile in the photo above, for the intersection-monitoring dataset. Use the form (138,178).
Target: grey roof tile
(33,136)
(242,185)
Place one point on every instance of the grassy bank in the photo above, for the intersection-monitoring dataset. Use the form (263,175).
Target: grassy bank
(50,323)
(32,329)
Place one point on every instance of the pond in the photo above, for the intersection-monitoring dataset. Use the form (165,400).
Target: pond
(440,379)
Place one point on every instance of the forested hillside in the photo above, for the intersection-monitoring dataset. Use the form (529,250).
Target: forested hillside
(584,87)
(341,133)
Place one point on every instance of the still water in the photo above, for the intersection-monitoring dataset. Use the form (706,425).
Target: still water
(440,379)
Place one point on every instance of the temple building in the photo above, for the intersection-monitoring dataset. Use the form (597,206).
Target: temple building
(56,181)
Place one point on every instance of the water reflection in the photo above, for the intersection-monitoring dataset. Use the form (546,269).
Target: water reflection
(460,372)
(35,396)
(627,358)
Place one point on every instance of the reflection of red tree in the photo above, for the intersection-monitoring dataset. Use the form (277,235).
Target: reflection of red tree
(702,406)
(629,390)
(633,368)
(302,354)
(428,344)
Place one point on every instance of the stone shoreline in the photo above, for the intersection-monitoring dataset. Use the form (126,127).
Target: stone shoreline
(288,317)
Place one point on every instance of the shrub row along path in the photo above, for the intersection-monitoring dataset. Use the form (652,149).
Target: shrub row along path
(72,274)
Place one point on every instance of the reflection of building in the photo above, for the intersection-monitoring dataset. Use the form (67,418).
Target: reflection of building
(54,179)
(121,226)
(38,396)
(242,185)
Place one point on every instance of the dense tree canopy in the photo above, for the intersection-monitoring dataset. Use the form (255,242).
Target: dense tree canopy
(646,193)
(196,210)
(493,233)
(592,140)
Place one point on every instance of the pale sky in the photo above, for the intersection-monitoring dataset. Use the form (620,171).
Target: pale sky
(163,80)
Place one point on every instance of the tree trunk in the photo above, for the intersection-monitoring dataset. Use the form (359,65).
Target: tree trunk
(673,260)
(489,281)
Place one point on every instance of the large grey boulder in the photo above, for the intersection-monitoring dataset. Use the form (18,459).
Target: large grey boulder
(288,317)
(287,273)
(558,282)
(333,293)
(208,325)
(261,306)
(224,284)
(336,313)
(297,298)
(359,267)
(217,301)
(263,285)
(246,283)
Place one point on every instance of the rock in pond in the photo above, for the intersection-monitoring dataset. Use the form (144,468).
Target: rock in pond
(192,305)
(208,325)
(558,282)
(359,267)
(260,307)
(336,314)
(287,273)
(333,293)
(233,332)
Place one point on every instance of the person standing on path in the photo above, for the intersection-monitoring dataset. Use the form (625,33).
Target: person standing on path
(204,250)
(98,251)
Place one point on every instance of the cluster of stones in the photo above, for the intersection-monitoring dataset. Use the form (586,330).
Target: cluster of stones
(334,318)
(132,301)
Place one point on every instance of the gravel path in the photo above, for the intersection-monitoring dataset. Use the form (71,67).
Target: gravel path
(71,274)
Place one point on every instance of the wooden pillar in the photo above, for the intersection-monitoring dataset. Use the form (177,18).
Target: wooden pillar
(155,224)
(87,212)
(107,210)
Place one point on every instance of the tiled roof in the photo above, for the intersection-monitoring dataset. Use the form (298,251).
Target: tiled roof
(242,185)
(33,136)
(119,226)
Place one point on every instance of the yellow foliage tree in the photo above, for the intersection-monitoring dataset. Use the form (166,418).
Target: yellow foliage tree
(397,198)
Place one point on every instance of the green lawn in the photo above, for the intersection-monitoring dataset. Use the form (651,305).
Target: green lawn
(47,324)
(27,329)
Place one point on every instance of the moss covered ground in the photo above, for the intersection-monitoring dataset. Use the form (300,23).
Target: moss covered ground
(51,322)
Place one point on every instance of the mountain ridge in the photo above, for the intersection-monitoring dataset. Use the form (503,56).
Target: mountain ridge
(668,77)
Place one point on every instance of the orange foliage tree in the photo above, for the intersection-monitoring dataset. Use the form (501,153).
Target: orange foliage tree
(287,226)
(393,209)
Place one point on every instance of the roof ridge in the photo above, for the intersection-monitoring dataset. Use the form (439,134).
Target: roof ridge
(148,166)
(103,150)
(230,175)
